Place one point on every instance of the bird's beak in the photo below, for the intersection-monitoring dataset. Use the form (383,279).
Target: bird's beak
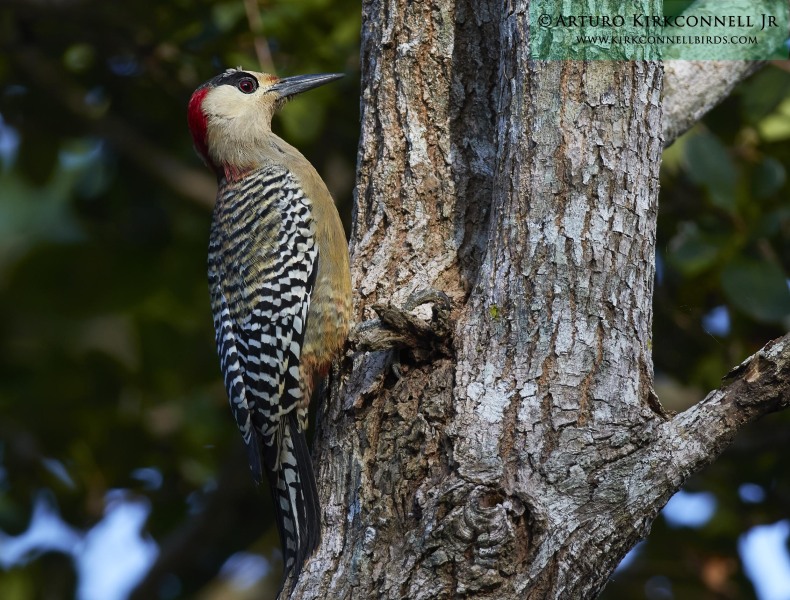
(290,86)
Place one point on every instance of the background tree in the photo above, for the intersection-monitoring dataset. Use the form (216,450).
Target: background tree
(109,378)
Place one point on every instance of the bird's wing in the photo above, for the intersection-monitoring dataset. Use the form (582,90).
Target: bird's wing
(263,261)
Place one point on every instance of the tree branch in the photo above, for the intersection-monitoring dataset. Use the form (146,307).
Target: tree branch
(641,481)
(645,480)
(758,386)
(259,40)
(692,88)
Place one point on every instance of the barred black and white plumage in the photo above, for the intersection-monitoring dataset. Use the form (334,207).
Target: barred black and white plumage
(262,266)
(279,283)
(263,262)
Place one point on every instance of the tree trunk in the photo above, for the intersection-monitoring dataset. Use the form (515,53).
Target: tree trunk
(528,458)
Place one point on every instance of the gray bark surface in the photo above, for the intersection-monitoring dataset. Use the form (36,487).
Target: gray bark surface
(527,455)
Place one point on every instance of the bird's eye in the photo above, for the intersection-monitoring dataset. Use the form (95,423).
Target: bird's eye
(247,85)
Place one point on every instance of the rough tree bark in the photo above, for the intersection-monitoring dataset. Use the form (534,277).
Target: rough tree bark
(528,454)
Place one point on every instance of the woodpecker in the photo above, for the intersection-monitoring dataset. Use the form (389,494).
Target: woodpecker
(279,283)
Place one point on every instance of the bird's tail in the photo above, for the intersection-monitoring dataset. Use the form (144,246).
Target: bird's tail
(295,497)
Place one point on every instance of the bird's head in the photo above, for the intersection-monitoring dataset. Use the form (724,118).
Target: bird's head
(230,116)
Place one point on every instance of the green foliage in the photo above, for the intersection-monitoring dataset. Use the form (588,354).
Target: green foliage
(708,164)
(107,358)
(757,288)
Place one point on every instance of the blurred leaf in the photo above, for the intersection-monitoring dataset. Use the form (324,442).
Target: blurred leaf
(228,14)
(768,177)
(708,163)
(770,223)
(79,57)
(776,126)
(768,89)
(691,251)
(673,157)
(759,289)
